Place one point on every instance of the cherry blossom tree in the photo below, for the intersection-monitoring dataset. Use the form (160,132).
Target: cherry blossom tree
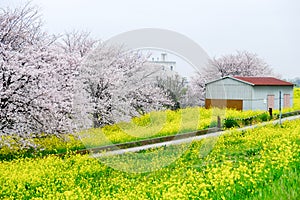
(120,85)
(242,63)
(176,87)
(36,77)
(78,43)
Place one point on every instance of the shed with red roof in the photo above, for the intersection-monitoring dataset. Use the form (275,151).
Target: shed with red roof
(248,93)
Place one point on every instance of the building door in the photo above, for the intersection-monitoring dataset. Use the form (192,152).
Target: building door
(224,103)
(286,100)
(271,99)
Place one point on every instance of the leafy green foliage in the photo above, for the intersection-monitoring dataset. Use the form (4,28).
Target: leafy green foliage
(230,123)
(264,117)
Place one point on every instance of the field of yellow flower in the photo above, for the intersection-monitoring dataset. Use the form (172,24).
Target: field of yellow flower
(154,124)
(162,123)
(237,165)
(296,99)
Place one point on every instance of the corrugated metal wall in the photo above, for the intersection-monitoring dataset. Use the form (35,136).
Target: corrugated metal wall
(261,92)
(230,89)
(254,97)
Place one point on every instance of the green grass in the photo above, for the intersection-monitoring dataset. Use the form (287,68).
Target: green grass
(286,187)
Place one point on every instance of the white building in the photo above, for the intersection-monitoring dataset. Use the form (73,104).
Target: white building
(164,67)
(248,93)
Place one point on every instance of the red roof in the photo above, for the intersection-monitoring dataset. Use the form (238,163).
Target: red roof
(263,80)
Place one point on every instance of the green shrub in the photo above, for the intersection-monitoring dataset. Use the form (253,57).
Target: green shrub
(264,117)
(230,123)
(211,125)
(247,121)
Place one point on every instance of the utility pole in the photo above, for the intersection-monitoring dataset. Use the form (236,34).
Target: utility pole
(280,113)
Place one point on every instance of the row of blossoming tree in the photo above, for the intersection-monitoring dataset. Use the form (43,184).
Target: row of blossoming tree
(52,84)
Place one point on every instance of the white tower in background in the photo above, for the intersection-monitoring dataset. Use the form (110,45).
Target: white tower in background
(167,67)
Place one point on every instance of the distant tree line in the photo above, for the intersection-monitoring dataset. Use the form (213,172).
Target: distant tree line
(295,81)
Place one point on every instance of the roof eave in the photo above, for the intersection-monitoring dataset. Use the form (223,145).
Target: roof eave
(274,85)
(248,83)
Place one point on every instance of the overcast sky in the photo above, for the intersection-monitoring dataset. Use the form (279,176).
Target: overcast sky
(270,28)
